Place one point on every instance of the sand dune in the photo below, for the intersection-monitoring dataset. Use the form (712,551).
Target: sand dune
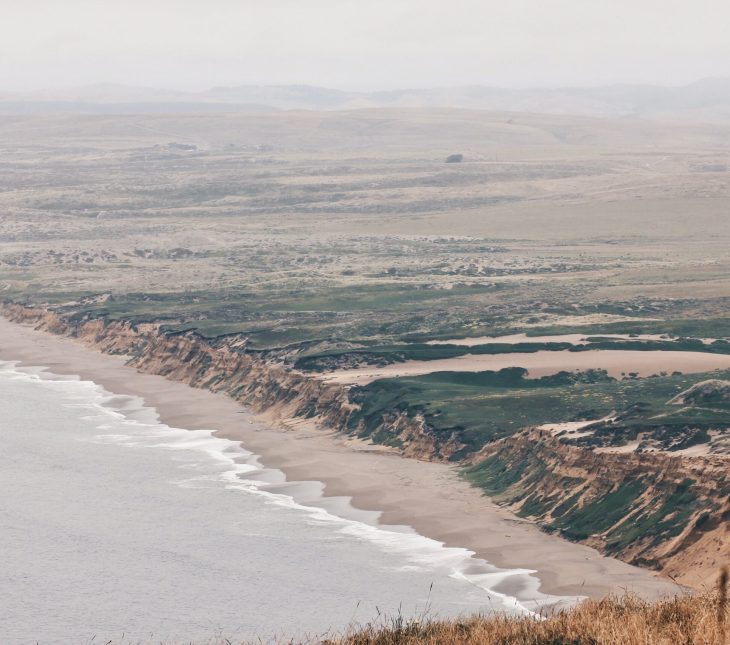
(544,363)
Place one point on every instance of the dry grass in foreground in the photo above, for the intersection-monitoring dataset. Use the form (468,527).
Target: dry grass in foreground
(683,620)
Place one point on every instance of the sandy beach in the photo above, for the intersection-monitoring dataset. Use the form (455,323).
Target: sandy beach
(429,497)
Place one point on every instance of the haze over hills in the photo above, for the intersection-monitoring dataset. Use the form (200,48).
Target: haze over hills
(707,99)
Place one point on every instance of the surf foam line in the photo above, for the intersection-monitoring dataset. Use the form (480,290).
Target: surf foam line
(239,469)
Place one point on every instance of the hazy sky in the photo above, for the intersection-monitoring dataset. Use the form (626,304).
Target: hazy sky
(360,44)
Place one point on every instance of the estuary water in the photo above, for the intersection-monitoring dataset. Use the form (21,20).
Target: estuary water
(114,526)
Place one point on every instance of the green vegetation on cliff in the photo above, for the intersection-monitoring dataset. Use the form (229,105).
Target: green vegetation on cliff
(478,408)
(633,506)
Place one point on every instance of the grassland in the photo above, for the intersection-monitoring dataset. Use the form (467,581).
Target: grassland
(478,408)
(699,620)
(339,227)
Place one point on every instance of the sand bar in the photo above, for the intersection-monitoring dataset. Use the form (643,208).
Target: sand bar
(426,496)
(543,363)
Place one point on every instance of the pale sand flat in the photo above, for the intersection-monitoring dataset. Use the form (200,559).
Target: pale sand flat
(544,363)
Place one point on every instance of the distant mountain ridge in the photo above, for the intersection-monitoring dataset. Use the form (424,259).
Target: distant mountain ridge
(705,99)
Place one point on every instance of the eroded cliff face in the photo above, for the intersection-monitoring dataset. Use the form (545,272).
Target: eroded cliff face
(223,366)
(664,512)
(654,510)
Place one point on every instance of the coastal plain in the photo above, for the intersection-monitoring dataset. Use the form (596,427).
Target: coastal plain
(274,257)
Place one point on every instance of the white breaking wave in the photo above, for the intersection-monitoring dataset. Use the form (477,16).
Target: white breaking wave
(222,462)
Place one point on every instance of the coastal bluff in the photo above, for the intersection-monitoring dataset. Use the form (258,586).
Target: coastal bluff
(656,510)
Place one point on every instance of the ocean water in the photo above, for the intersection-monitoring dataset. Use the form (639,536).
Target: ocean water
(114,526)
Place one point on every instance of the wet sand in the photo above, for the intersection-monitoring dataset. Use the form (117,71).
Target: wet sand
(543,363)
(429,497)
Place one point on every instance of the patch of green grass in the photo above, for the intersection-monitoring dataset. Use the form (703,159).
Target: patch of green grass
(667,521)
(485,406)
(386,297)
(396,353)
(494,475)
(684,328)
(600,515)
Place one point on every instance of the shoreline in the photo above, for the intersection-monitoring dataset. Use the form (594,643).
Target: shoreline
(246,472)
(429,497)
